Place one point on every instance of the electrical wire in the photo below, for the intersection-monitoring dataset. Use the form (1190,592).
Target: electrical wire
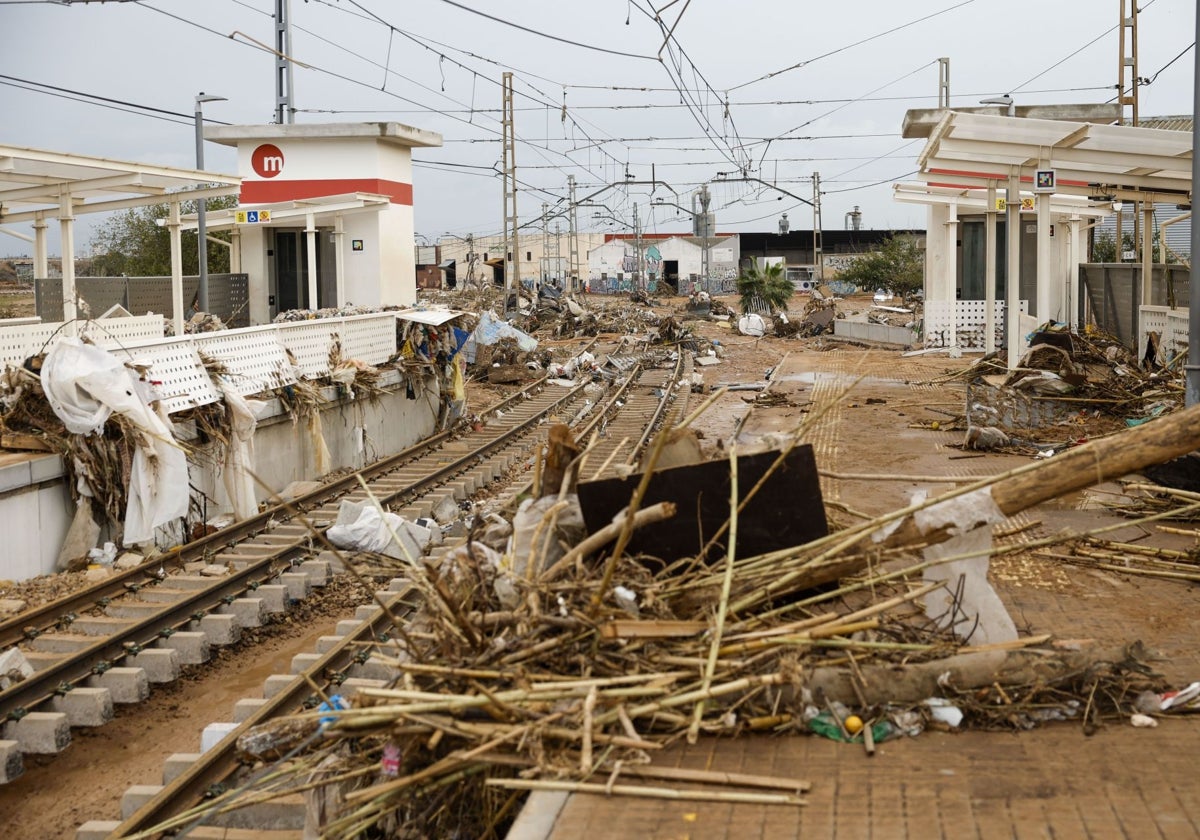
(858,43)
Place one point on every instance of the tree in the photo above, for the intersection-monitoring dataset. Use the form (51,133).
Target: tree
(1104,248)
(133,243)
(898,265)
(766,284)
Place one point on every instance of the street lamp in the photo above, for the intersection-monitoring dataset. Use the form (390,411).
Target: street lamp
(1006,100)
(201,221)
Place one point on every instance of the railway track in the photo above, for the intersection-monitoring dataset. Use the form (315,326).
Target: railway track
(106,644)
(623,424)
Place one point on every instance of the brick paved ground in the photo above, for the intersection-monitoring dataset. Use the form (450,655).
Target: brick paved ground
(1053,782)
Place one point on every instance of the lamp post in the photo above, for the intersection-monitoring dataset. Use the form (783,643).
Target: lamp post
(201,221)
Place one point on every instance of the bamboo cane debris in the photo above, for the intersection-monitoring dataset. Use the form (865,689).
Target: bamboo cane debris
(564,686)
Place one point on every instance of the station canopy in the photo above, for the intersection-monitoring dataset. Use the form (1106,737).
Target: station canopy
(324,210)
(38,184)
(1096,161)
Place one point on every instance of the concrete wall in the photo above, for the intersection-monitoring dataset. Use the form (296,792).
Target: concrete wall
(36,507)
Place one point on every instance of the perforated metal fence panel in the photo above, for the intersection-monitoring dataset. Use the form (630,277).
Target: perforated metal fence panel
(228,296)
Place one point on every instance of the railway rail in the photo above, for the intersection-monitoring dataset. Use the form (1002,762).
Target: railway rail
(637,406)
(137,610)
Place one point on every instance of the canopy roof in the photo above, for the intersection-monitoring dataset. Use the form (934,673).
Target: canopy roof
(975,199)
(1115,161)
(37,183)
(324,209)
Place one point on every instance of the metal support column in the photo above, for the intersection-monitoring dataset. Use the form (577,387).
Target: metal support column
(310,232)
(339,259)
(176,268)
(944,82)
(1048,305)
(573,237)
(285,111)
(512,265)
(1012,268)
(818,267)
(1192,366)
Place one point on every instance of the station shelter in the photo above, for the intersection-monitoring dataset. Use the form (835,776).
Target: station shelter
(1072,171)
(325,214)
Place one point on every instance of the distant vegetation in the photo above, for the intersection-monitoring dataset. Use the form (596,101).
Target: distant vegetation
(133,243)
(898,266)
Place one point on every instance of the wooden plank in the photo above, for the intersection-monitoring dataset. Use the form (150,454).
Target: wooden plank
(652,629)
(23,442)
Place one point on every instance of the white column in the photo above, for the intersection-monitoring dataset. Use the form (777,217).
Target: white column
(1049,306)
(41,257)
(1075,225)
(66,223)
(989,272)
(1012,268)
(176,267)
(235,251)
(339,255)
(950,270)
(311,236)
(1147,252)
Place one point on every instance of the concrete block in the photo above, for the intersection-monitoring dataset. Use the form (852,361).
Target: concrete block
(60,642)
(85,706)
(301,662)
(214,734)
(283,814)
(275,684)
(398,584)
(125,685)
(365,612)
(221,629)
(43,733)
(136,610)
(136,796)
(96,829)
(317,570)
(100,625)
(11,763)
(191,581)
(164,593)
(246,707)
(298,587)
(274,597)
(193,647)
(161,664)
(176,764)
(249,612)
(193,567)
(347,626)
(336,566)
(350,687)
(374,669)
(327,643)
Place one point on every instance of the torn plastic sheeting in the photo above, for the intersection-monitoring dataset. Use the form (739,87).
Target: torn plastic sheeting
(961,513)
(491,329)
(85,385)
(237,475)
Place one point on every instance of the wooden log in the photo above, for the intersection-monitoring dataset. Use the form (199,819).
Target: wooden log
(914,683)
(24,442)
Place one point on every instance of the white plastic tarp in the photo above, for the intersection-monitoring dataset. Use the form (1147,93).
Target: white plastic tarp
(491,329)
(85,385)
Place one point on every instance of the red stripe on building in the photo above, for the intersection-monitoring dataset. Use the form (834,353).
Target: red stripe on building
(269,192)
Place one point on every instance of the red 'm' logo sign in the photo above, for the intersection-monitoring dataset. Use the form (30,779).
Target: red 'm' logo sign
(267,160)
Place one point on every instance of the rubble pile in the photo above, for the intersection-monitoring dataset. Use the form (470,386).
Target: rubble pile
(543,658)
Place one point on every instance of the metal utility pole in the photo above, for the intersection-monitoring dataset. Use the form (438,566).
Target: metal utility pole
(284,110)
(545,262)
(637,245)
(512,266)
(201,204)
(1192,366)
(1128,81)
(944,82)
(702,229)
(573,236)
(818,269)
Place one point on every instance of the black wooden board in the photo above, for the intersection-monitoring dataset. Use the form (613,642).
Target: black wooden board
(786,511)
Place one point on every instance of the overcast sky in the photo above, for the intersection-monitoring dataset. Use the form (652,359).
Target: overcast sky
(826,83)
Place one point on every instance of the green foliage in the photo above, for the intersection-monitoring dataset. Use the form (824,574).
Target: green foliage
(898,265)
(766,283)
(1104,248)
(133,243)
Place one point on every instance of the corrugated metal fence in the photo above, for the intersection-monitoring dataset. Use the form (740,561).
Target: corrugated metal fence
(1111,289)
(228,296)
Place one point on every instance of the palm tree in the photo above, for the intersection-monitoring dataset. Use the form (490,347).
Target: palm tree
(764,286)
